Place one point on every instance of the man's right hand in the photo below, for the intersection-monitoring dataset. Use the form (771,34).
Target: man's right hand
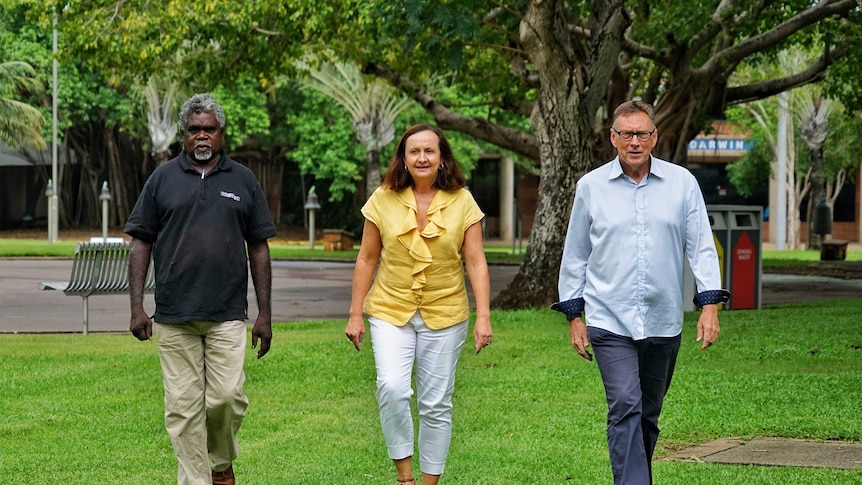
(578,332)
(141,326)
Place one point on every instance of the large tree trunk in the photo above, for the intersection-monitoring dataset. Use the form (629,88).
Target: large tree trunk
(574,80)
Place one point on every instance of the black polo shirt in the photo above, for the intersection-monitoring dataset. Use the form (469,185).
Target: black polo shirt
(198,226)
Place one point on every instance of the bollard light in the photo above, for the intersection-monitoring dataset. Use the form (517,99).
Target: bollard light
(822,223)
(311,205)
(105,196)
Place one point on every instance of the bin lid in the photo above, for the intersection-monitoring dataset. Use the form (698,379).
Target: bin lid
(737,216)
(717,219)
(745,219)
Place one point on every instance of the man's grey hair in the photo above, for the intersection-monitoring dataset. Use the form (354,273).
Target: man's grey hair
(201,103)
(632,107)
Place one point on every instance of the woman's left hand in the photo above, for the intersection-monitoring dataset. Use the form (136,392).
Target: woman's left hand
(482,333)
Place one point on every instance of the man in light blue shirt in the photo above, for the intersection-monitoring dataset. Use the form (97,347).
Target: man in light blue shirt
(633,222)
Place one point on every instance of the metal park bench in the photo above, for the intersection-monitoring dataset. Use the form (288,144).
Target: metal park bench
(99,269)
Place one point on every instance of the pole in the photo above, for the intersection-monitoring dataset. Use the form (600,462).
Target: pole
(779,214)
(514,223)
(53,211)
(312,205)
(311,228)
(105,196)
(49,193)
(104,221)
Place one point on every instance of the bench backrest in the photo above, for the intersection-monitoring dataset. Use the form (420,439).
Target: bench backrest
(103,268)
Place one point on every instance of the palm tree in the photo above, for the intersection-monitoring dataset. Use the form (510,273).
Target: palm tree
(20,123)
(813,130)
(373,105)
(160,117)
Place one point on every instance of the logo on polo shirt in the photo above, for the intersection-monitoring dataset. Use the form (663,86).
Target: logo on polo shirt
(229,195)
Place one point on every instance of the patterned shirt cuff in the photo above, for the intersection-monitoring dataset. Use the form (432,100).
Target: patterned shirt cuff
(711,297)
(572,308)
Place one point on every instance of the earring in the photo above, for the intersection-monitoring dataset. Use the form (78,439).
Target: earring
(440,168)
(405,168)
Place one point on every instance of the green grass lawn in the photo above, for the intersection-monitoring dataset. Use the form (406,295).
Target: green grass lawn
(799,257)
(528,410)
(495,253)
(41,248)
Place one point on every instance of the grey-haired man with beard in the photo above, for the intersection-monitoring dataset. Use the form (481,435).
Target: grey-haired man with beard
(204,219)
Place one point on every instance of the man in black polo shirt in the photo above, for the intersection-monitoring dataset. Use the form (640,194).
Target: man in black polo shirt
(196,215)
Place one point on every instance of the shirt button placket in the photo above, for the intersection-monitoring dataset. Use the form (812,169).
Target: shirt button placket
(203,188)
(641,257)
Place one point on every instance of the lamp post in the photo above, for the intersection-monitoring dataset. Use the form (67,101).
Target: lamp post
(49,193)
(105,196)
(312,205)
(53,210)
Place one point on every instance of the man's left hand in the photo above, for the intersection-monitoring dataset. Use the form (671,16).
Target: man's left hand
(707,326)
(262,330)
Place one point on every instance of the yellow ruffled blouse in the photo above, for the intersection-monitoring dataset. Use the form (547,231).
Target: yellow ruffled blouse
(420,270)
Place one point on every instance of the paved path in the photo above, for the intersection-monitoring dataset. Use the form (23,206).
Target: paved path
(301,291)
(775,452)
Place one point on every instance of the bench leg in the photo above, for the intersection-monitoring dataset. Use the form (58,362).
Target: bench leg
(86,315)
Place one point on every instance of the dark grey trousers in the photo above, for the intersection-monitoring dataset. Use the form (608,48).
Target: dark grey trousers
(636,375)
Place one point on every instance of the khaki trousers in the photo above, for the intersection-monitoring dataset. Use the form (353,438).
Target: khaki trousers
(202,365)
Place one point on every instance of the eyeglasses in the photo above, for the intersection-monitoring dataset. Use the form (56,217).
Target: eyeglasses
(627,135)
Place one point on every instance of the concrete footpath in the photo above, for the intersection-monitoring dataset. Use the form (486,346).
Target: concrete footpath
(301,291)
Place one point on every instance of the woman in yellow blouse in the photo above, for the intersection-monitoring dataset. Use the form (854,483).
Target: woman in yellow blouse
(417,226)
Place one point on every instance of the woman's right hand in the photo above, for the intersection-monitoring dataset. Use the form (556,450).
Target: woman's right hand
(355,330)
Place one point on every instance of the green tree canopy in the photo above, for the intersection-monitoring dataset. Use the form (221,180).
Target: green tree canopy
(559,67)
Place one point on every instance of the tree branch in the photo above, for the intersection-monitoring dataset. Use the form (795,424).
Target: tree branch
(770,87)
(712,28)
(271,33)
(523,107)
(516,141)
(758,43)
(629,45)
(607,26)
(519,68)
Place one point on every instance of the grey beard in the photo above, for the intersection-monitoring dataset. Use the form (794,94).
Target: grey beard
(203,155)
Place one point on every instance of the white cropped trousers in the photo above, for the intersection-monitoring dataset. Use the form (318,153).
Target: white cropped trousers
(435,354)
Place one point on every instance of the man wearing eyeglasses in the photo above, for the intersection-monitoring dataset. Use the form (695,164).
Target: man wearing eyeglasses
(633,222)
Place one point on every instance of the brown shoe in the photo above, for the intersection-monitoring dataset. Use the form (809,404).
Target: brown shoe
(224,477)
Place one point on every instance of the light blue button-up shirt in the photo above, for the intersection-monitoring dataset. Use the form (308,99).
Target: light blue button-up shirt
(625,246)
